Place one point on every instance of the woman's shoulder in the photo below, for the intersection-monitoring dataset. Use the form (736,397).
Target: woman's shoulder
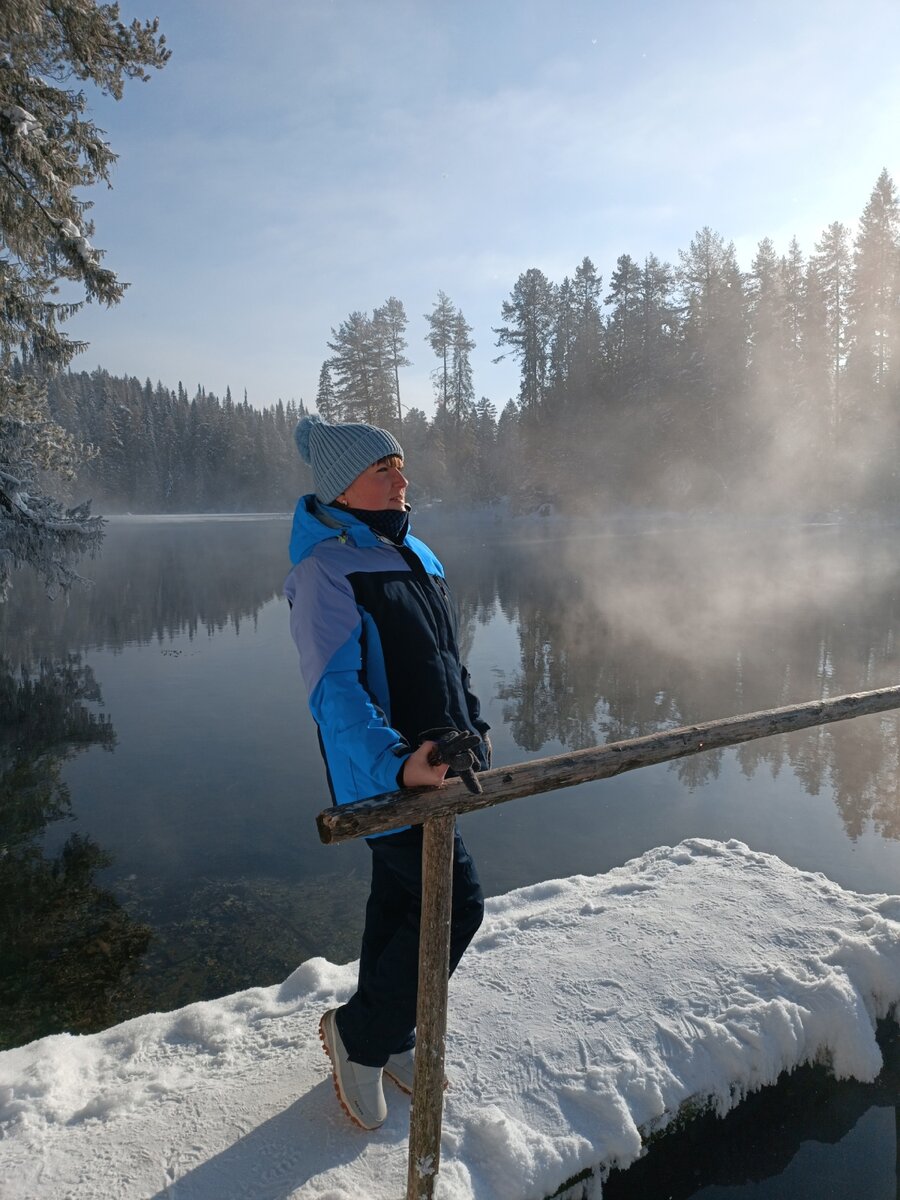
(427,557)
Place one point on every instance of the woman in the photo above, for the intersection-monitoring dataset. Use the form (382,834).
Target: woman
(377,637)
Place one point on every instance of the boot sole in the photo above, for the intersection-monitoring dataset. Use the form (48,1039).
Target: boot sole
(323,1038)
(407,1091)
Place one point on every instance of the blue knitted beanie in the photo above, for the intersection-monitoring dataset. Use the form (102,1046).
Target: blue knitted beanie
(338,453)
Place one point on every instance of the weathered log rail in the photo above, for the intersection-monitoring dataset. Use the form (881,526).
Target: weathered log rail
(437,808)
(412,807)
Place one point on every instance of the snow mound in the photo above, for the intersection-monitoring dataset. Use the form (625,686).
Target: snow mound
(586,1013)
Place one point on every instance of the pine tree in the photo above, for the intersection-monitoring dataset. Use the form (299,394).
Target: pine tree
(441,325)
(831,262)
(508,445)
(484,469)
(766,318)
(792,275)
(714,357)
(326,397)
(562,345)
(659,323)
(462,389)
(576,355)
(623,329)
(50,151)
(390,323)
(529,317)
(874,296)
(362,375)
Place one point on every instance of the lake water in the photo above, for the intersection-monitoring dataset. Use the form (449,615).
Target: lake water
(161,775)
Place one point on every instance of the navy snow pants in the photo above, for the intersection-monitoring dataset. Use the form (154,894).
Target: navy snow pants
(380,1018)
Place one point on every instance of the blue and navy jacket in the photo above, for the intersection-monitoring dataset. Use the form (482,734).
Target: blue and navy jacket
(376,630)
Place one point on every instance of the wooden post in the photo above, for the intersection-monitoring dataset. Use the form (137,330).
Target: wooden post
(431,1009)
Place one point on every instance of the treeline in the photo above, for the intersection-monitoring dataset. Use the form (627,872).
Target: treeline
(692,384)
(696,384)
(160,451)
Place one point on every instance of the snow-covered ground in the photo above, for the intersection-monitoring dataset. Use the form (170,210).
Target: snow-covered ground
(586,1013)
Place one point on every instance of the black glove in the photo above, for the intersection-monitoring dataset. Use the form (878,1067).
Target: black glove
(456,748)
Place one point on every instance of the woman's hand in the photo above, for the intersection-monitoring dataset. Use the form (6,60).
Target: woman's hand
(418,771)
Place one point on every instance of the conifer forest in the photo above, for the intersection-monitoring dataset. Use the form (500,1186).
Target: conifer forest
(699,384)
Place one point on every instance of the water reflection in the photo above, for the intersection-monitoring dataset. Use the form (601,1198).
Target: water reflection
(622,636)
(152,580)
(68,950)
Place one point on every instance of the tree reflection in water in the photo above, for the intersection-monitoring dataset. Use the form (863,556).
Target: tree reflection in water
(68,952)
(152,581)
(625,636)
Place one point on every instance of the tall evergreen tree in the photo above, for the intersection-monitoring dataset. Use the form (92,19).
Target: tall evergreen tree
(655,412)
(326,397)
(714,356)
(441,331)
(874,297)
(390,323)
(463,391)
(529,321)
(623,328)
(766,319)
(587,352)
(509,453)
(562,345)
(51,150)
(792,278)
(574,361)
(873,357)
(832,262)
(816,351)
(363,377)
(659,323)
(483,468)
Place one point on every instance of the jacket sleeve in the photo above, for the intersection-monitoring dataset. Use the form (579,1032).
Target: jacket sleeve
(364,753)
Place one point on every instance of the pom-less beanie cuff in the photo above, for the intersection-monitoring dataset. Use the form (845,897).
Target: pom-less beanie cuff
(338,453)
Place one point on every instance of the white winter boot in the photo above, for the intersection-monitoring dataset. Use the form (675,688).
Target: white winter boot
(358,1088)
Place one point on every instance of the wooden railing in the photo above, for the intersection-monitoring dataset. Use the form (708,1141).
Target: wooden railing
(436,810)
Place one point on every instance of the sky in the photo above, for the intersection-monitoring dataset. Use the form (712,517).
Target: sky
(692,975)
(296,161)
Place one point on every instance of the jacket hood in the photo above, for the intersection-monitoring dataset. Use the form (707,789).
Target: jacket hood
(315,522)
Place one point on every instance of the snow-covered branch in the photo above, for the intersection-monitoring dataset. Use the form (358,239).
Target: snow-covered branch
(49,150)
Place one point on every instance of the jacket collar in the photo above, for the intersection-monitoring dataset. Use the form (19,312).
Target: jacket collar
(315,522)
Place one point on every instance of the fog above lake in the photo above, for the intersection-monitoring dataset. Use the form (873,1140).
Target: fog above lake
(694,593)
(671,602)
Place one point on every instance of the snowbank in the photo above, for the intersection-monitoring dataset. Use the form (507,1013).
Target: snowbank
(587,1011)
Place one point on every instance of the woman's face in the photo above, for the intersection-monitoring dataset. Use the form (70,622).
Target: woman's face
(381,486)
